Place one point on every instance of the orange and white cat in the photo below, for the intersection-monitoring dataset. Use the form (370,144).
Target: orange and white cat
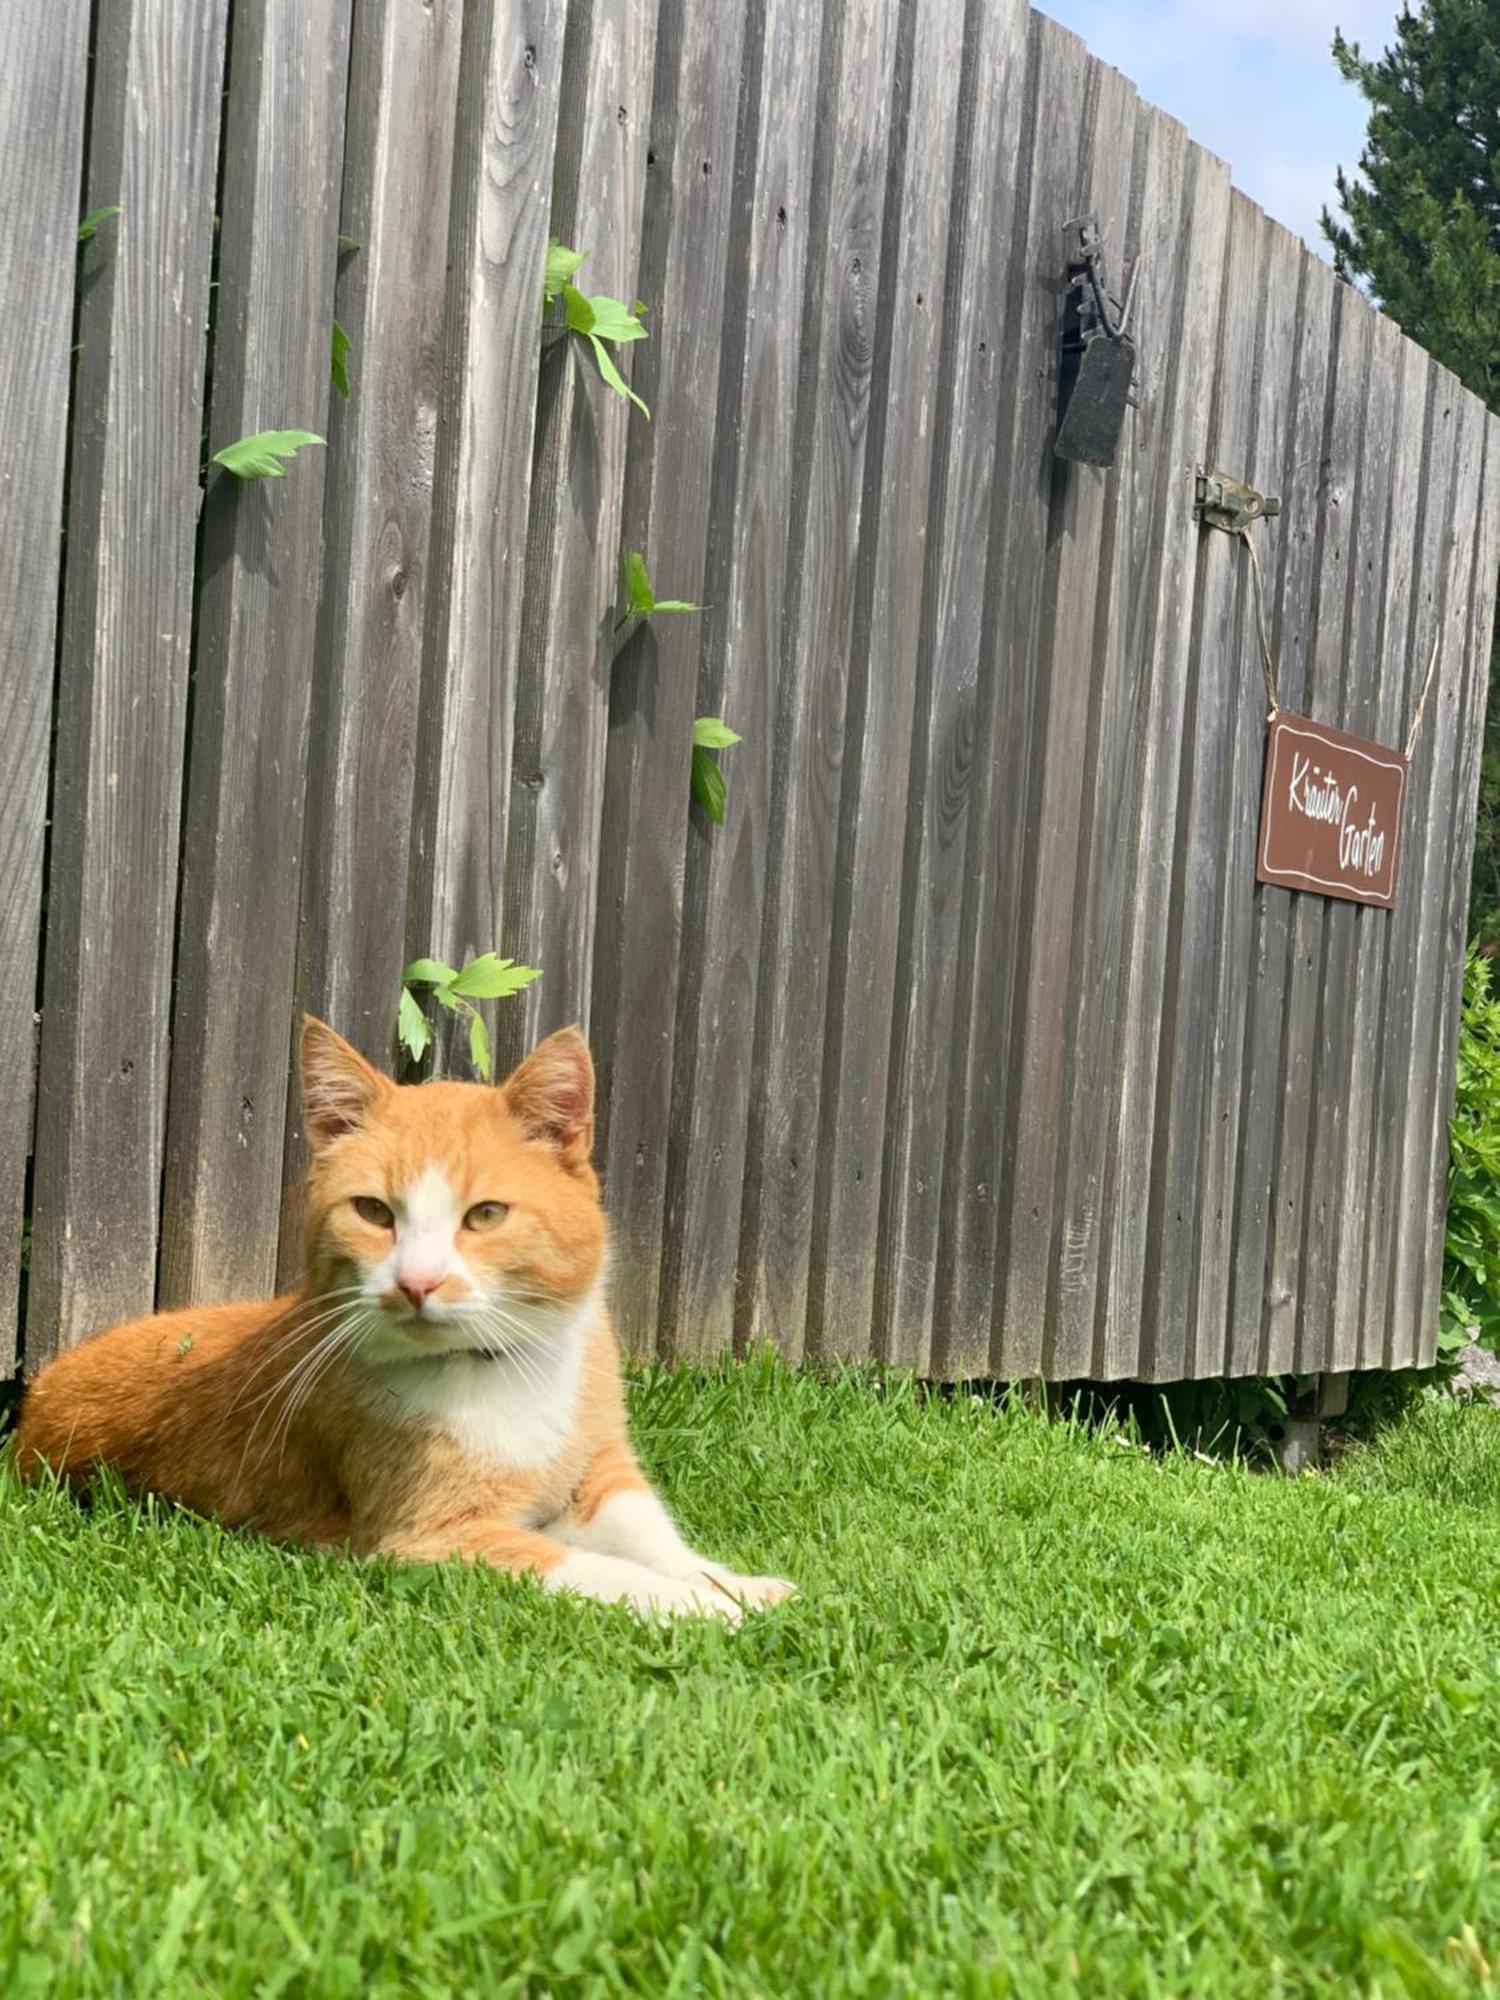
(447,1381)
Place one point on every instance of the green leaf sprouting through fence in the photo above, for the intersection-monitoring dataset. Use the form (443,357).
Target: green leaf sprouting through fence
(640,600)
(598,320)
(456,988)
(561,265)
(260,456)
(88,228)
(710,733)
(339,360)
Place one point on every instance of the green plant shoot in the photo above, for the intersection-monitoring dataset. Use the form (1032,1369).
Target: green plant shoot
(640,600)
(597,320)
(710,733)
(456,989)
(260,456)
(339,360)
(88,228)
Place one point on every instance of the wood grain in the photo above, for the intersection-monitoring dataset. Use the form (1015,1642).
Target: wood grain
(1358,1333)
(946,772)
(123,668)
(1124,1230)
(764,443)
(1428,544)
(786,1067)
(1141,494)
(684,261)
(377,510)
(42,90)
(1049,178)
(1327,1220)
(573,545)
(1292,594)
(889,674)
(510,75)
(1338,499)
(262,551)
(1075,605)
(1217,682)
(1231,623)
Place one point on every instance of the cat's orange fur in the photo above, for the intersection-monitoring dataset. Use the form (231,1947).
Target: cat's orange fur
(447,1381)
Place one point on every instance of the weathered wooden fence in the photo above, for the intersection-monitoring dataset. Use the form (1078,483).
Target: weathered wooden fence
(968,1040)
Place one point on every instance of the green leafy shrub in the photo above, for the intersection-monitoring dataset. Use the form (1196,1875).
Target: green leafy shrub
(1471,1253)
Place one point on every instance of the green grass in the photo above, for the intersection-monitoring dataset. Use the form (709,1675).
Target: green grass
(1052,1717)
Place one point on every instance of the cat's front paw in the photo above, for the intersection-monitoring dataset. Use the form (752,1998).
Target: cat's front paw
(613,1580)
(751,1590)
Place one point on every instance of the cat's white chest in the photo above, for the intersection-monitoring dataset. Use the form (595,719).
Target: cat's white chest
(517,1410)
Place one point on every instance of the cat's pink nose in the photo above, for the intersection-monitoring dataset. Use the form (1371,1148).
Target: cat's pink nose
(418,1290)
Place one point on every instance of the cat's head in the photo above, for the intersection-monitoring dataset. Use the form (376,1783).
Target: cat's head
(453,1216)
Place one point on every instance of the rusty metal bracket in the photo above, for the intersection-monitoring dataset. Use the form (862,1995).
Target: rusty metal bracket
(1226,503)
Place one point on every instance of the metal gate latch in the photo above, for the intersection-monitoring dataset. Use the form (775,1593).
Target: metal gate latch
(1098,355)
(1226,503)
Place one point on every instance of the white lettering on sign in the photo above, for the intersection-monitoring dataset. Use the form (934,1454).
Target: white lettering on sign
(1317,795)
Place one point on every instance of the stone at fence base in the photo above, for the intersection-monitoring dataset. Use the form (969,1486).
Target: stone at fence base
(1297,1448)
(1478,1374)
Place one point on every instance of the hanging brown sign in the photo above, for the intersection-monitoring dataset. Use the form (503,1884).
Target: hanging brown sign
(1330,815)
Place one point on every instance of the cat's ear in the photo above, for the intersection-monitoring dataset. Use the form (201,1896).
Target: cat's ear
(339,1088)
(551,1095)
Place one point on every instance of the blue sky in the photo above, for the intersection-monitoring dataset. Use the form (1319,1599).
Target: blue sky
(1253,81)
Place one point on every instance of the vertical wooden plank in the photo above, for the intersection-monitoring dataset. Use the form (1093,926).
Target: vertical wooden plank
(1338,500)
(262,549)
(1334,1113)
(945,773)
(510,71)
(1232,632)
(787,1061)
(1357,1337)
(1291,598)
(42,91)
(398,150)
(763,446)
(885,678)
(126,633)
(377,513)
(683,265)
(1481,525)
(1214,696)
(1148,899)
(1075,597)
(573,547)
(1428,543)
(1435,798)
(1047,195)
(1145,493)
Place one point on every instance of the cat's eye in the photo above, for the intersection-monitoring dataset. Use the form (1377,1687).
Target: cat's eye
(485,1214)
(370,1208)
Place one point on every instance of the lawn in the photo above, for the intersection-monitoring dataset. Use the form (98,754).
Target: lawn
(1052,1716)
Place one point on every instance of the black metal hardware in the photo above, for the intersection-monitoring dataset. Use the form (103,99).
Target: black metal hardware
(1098,355)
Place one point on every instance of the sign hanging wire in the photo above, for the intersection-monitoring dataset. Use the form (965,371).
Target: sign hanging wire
(1268,663)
